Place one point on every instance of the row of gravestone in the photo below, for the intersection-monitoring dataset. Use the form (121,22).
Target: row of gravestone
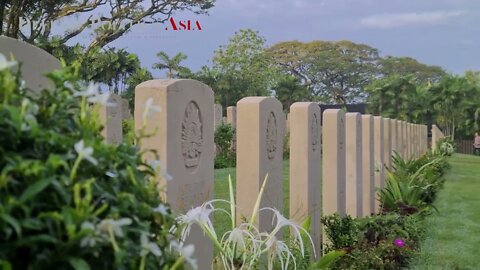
(354,151)
(231,117)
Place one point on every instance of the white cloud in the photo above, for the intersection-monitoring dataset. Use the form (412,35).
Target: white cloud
(387,21)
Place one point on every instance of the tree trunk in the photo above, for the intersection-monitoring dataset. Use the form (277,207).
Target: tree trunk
(2,13)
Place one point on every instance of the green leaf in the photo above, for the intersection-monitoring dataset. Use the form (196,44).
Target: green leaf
(10,220)
(79,264)
(34,189)
(5,265)
(327,260)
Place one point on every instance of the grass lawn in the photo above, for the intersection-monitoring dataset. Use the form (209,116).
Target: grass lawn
(453,235)
(221,221)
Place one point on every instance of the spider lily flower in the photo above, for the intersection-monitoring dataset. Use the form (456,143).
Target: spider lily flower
(241,241)
(85,152)
(149,247)
(107,225)
(199,215)
(282,222)
(279,250)
(186,252)
(4,63)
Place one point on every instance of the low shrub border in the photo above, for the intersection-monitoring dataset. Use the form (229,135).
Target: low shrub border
(389,240)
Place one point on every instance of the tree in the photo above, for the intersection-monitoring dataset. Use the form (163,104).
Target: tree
(404,66)
(172,65)
(393,97)
(288,90)
(32,20)
(139,76)
(241,68)
(332,71)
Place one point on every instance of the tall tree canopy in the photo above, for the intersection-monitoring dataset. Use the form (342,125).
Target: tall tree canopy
(240,68)
(34,20)
(406,66)
(333,71)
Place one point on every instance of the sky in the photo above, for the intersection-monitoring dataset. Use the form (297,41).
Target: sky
(436,32)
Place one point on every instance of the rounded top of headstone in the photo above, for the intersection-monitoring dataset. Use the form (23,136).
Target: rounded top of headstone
(167,83)
(303,104)
(258,100)
(35,62)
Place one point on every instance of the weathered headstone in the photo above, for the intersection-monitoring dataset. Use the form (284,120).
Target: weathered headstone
(400,138)
(126,114)
(405,139)
(333,159)
(305,167)
(409,141)
(35,62)
(378,156)
(218,114)
(260,133)
(368,167)
(387,146)
(111,119)
(232,116)
(183,139)
(437,135)
(353,156)
(394,130)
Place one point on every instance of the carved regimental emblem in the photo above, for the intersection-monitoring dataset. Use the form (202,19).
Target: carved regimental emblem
(315,132)
(271,135)
(192,136)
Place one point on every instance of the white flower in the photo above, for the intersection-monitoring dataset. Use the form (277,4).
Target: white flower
(149,247)
(199,215)
(157,166)
(91,239)
(162,209)
(4,63)
(92,90)
(284,222)
(115,226)
(186,252)
(85,152)
(150,108)
(111,174)
(101,99)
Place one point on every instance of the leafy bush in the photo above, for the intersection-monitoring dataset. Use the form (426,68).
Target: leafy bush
(445,146)
(225,143)
(375,242)
(67,199)
(342,232)
(411,185)
(389,240)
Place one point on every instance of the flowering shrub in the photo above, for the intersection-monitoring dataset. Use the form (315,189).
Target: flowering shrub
(67,199)
(244,246)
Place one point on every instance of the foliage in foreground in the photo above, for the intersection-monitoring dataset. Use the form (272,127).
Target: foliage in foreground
(67,199)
